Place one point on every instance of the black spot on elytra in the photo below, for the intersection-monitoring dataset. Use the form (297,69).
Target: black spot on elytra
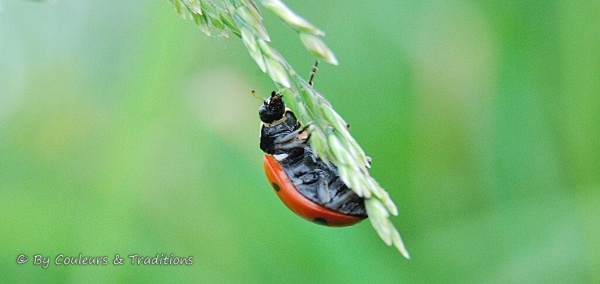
(320,221)
(275,186)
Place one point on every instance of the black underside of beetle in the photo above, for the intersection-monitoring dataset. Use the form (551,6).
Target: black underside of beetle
(321,183)
(316,180)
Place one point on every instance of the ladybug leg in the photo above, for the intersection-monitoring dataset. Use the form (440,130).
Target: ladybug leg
(290,141)
(305,178)
(341,194)
(316,183)
(323,191)
(342,199)
(289,137)
(289,145)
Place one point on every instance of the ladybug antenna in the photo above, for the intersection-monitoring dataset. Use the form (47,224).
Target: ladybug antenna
(312,73)
(256,96)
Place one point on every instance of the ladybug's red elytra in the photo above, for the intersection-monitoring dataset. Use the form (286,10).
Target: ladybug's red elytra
(308,186)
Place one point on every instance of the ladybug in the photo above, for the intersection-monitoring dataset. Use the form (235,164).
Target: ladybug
(308,186)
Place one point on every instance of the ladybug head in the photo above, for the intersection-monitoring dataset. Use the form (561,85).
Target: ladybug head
(272,109)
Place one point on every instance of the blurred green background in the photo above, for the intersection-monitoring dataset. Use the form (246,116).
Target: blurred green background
(125,130)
